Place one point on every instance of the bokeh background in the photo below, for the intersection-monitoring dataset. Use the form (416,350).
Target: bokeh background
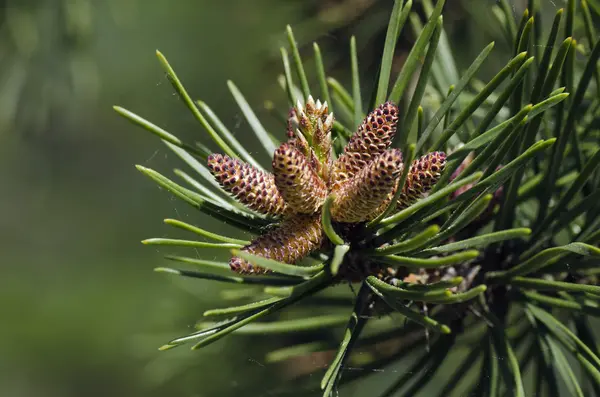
(81,312)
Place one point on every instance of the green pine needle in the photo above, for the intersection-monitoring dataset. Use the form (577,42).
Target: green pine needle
(512,268)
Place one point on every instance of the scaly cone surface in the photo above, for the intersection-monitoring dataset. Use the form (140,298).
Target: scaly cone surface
(254,188)
(374,136)
(423,175)
(302,189)
(291,241)
(363,180)
(359,198)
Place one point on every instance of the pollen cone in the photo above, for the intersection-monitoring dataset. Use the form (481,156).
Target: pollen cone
(357,199)
(423,175)
(291,241)
(252,187)
(374,136)
(302,189)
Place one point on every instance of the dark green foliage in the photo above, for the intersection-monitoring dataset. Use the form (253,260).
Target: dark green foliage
(502,252)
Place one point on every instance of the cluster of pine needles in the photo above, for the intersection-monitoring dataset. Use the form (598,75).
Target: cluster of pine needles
(476,222)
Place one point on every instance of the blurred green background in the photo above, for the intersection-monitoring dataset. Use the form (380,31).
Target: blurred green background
(81,311)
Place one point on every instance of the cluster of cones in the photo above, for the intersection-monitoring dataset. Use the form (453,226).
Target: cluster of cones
(362,180)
